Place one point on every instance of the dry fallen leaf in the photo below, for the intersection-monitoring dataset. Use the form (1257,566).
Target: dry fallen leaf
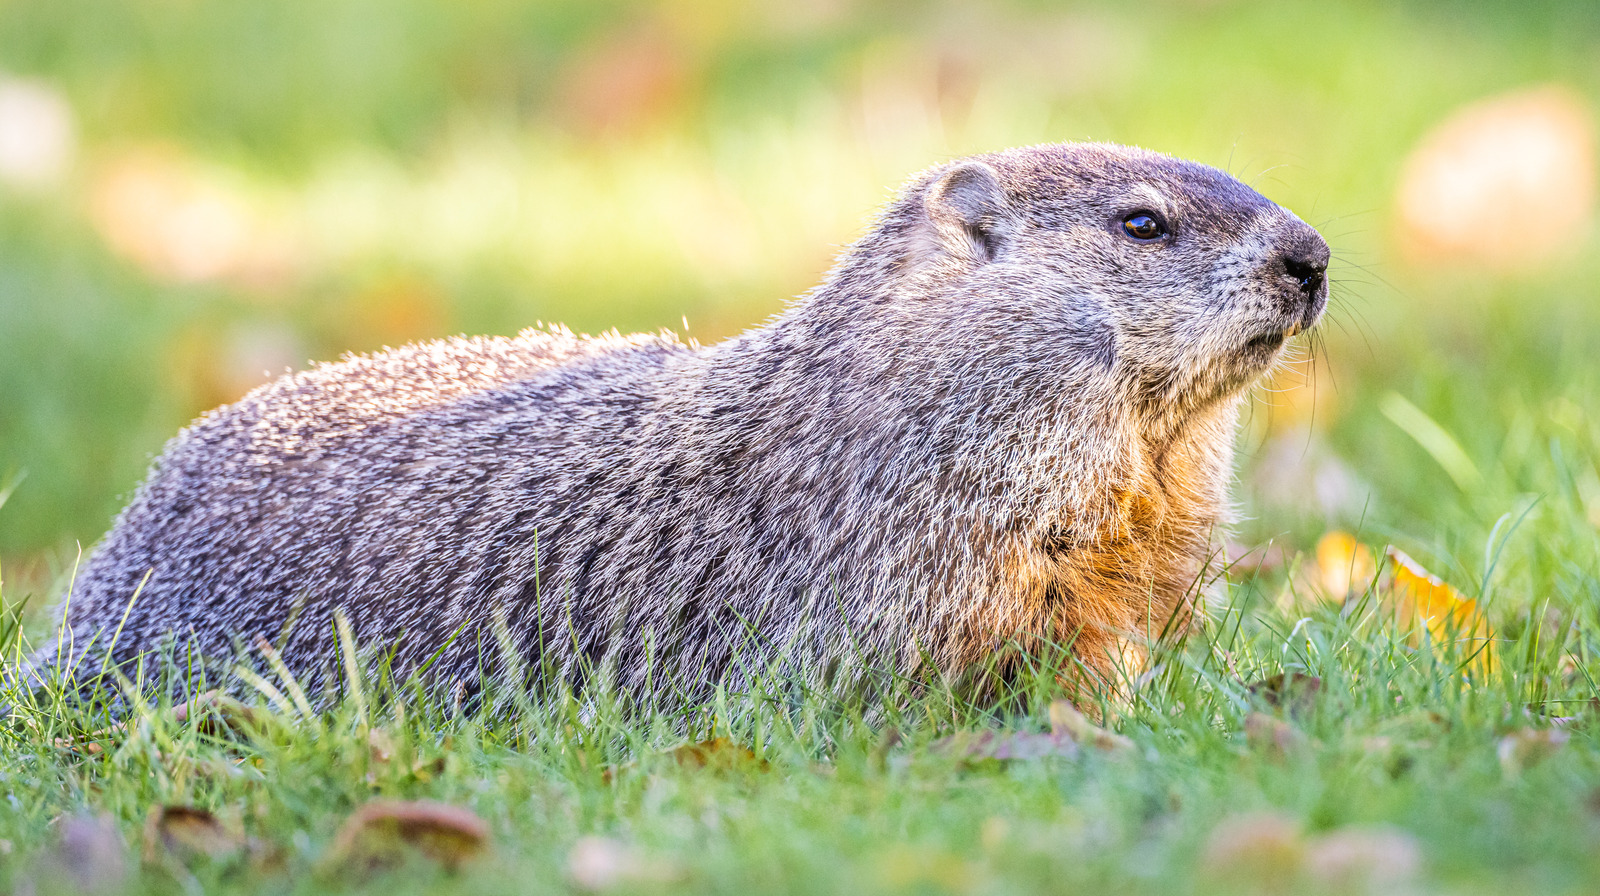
(218,714)
(382,748)
(1274,738)
(186,834)
(1418,601)
(1422,601)
(1565,713)
(1070,732)
(382,833)
(1345,567)
(1294,692)
(717,753)
(215,707)
(880,752)
(90,744)
(1004,746)
(1066,720)
(1528,747)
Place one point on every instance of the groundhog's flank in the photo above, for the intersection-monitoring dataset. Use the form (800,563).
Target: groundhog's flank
(1005,417)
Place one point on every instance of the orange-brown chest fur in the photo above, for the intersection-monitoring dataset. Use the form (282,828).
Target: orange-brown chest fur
(1126,573)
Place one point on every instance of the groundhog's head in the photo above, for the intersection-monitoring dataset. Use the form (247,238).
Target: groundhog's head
(1178,279)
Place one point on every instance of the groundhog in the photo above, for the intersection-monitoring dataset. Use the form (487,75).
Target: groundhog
(1004,420)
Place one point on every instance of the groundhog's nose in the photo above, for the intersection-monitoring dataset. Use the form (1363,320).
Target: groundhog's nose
(1305,260)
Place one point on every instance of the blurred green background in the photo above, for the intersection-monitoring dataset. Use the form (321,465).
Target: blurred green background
(196,192)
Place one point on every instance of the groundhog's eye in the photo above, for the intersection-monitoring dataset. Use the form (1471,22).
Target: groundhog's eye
(1143,226)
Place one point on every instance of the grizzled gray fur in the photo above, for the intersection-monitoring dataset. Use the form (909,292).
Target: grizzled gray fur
(1004,417)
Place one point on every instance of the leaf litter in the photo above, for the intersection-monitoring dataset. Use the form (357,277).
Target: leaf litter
(1070,733)
(1420,604)
(385,833)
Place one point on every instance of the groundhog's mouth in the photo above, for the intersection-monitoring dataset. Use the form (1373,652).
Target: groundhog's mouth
(1266,343)
(1272,340)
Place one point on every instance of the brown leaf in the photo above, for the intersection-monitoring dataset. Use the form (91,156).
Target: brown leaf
(1069,733)
(1275,738)
(1294,692)
(1067,721)
(186,834)
(382,750)
(218,714)
(1524,749)
(428,769)
(718,753)
(880,752)
(382,833)
(1566,713)
(94,742)
(1004,746)
(380,746)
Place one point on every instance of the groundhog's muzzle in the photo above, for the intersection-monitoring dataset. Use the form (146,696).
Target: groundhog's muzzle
(1302,264)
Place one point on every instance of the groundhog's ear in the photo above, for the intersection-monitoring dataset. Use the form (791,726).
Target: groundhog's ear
(968,209)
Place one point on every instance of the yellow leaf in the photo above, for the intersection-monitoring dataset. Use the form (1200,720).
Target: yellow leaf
(1344,565)
(717,753)
(1421,601)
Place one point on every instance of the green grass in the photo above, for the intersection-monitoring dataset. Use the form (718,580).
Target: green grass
(1399,739)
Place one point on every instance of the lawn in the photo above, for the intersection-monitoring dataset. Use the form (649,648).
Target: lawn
(412,169)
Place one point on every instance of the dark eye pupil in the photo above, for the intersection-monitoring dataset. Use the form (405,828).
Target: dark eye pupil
(1142,227)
